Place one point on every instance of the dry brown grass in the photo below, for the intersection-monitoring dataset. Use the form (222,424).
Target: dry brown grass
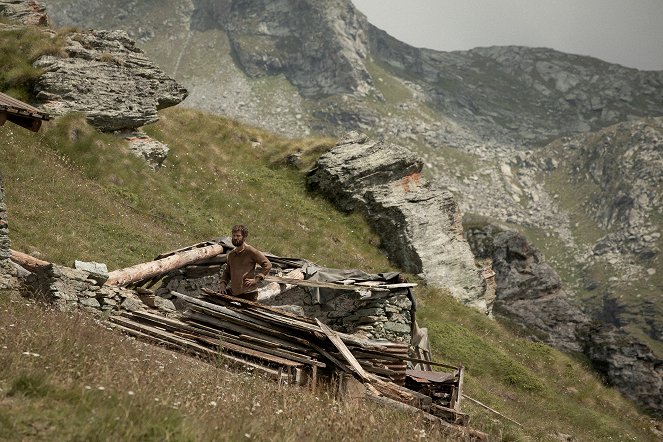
(67,376)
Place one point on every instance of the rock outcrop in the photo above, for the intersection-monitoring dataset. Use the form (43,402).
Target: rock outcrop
(530,292)
(419,224)
(121,87)
(25,12)
(627,364)
(528,289)
(320,48)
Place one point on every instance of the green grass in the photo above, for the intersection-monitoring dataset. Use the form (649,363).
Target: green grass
(112,208)
(20,48)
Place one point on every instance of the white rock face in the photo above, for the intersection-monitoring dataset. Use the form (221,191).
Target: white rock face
(419,225)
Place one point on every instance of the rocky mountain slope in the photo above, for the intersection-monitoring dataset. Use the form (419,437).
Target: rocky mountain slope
(486,122)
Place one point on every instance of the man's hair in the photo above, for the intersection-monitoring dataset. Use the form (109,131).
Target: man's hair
(241,228)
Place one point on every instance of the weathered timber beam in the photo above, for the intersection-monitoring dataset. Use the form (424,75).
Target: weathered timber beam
(177,260)
(321,284)
(491,410)
(28,262)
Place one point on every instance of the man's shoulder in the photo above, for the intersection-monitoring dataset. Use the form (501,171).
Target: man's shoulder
(250,248)
(253,250)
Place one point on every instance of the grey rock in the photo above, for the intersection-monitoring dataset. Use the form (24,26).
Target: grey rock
(419,224)
(528,289)
(90,302)
(132,304)
(24,12)
(165,305)
(321,52)
(121,88)
(530,292)
(397,327)
(143,146)
(98,272)
(626,364)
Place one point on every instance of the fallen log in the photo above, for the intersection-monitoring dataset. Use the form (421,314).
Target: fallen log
(28,262)
(174,261)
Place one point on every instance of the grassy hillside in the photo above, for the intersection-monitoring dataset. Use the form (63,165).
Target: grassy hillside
(73,193)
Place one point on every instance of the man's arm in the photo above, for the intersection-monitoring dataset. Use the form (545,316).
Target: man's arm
(264,263)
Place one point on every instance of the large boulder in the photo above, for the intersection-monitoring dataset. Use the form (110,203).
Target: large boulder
(419,225)
(107,78)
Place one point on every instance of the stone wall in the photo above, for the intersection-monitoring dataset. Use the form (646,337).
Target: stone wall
(68,289)
(5,245)
(375,315)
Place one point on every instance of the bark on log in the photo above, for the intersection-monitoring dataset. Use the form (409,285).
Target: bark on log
(151,269)
(28,262)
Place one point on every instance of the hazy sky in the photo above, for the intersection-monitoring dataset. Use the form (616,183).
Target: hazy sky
(628,32)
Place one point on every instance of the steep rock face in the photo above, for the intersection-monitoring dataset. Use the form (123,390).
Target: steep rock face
(626,364)
(419,225)
(624,162)
(320,48)
(529,292)
(25,12)
(121,88)
(528,289)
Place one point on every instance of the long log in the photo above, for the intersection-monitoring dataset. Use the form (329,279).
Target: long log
(177,260)
(28,262)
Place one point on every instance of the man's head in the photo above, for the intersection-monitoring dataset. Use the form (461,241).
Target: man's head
(240,232)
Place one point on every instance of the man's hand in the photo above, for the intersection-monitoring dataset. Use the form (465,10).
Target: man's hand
(222,288)
(249,282)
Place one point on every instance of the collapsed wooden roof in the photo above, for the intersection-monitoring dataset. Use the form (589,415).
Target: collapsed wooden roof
(20,113)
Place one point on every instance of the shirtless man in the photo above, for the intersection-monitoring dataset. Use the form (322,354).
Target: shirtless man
(240,270)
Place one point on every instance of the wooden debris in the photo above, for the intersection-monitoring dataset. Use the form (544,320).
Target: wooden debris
(298,350)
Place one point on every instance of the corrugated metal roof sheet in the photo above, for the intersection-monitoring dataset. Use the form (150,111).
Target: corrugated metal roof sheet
(17,107)
(20,113)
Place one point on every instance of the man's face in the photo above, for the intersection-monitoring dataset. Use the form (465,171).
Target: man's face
(238,239)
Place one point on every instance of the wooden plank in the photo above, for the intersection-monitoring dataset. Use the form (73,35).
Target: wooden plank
(461,375)
(321,284)
(457,417)
(224,339)
(240,330)
(245,327)
(492,410)
(366,352)
(345,352)
(199,349)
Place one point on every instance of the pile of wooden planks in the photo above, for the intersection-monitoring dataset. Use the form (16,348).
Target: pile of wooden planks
(298,350)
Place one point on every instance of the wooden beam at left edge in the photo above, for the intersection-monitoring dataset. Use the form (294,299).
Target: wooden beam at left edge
(162,266)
